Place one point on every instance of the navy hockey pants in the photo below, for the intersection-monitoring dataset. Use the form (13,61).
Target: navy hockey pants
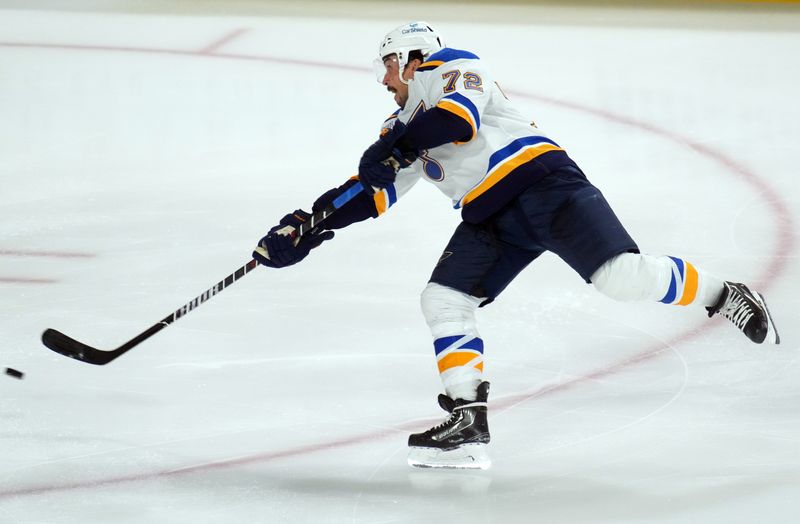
(562,213)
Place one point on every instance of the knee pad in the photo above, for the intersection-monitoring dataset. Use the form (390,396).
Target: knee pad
(633,276)
(448,311)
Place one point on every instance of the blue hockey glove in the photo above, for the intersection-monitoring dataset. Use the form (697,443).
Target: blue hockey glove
(381,161)
(281,247)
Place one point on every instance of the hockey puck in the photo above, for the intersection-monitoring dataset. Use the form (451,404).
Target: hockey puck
(14,373)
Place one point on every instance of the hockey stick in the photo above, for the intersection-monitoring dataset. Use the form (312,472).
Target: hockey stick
(69,347)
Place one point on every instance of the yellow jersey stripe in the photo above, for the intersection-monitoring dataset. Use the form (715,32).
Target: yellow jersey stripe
(431,64)
(459,111)
(380,202)
(505,168)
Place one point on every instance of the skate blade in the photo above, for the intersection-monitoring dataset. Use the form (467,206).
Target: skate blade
(468,456)
(772,333)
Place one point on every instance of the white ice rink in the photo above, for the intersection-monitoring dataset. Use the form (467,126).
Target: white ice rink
(141,158)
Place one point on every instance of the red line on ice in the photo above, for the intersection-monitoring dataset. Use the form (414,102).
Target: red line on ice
(785,241)
(49,254)
(22,280)
(777,263)
(187,52)
(209,49)
(27,253)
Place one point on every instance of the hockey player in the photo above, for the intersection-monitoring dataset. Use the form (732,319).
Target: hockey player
(519,194)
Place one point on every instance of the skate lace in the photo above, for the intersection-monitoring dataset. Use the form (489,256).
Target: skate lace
(737,310)
(449,420)
(454,414)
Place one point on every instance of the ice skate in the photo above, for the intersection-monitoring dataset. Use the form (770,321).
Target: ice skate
(748,312)
(460,441)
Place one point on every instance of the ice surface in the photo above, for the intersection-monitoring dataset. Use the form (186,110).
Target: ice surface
(143,156)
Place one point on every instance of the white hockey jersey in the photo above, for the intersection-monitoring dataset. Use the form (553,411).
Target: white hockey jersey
(505,154)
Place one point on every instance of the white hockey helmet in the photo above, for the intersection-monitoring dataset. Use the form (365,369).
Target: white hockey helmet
(415,36)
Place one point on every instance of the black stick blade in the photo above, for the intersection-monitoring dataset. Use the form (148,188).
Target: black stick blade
(69,347)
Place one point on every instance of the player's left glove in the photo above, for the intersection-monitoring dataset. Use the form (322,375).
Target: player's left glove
(381,161)
(281,247)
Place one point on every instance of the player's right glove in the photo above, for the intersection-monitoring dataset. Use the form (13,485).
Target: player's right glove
(381,161)
(281,247)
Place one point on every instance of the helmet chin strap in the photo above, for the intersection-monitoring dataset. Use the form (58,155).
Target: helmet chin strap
(401,69)
(400,76)
(401,66)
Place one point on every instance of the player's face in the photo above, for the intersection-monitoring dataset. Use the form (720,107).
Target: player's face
(392,79)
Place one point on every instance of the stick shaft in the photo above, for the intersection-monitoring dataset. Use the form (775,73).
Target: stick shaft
(320,216)
(67,346)
(191,305)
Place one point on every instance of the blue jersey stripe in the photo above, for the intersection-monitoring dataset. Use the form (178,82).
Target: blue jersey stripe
(466,102)
(447,54)
(443,56)
(501,154)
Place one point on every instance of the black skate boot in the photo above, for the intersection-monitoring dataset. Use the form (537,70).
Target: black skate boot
(748,312)
(460,441)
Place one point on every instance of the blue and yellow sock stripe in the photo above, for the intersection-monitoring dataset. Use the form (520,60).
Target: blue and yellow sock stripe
(683,283)
(457,351)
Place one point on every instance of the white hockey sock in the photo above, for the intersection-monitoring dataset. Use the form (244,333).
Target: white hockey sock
(671,280)
(450,314)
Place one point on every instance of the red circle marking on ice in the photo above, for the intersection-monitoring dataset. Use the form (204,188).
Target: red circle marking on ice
(777,261)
